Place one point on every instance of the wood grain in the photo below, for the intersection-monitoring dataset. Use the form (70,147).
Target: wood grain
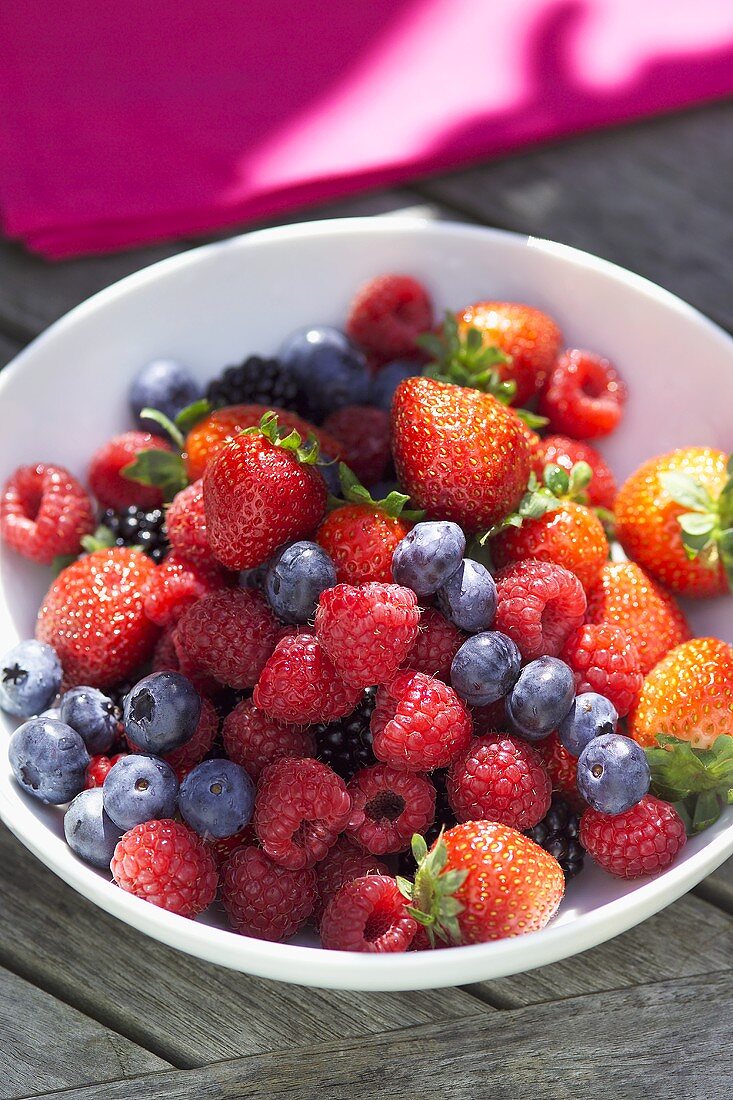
(718,887)
(45,1044)
(600,1047)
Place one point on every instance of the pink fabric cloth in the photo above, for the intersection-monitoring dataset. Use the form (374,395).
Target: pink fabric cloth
(132,122)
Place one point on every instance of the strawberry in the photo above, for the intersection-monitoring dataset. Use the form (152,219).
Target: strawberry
(675,518)
(111,463)
(627,597)
(93,617)
(458,452)
(209,435)
(260,491)
(688,695)
(483,881)
(565,452)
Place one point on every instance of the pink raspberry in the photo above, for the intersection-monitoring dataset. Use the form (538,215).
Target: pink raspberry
(367,631)
(604,660)
(642,841)
(368,914)
(253,740)
(387,315)
(364,432)
(437,642)
(419,723)
(223,848)
(229,634)
(108,483)
(44,513)
(166,657)
(263,899)
(499,779)
(301,808)
(165,863)
(185,524)
(539,605)
(177,584)
(396,805)
(99,768)
(300,684)
(584,396)
(344,862)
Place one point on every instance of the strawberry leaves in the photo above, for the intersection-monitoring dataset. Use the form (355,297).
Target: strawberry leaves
(707,524)
(306,452)
(433,904)
(557,485)
(356,493)
(165,469)
(699,782)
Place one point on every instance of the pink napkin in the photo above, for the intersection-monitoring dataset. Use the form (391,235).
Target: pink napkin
(140,121)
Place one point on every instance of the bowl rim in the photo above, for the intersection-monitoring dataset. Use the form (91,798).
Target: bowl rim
(312,965)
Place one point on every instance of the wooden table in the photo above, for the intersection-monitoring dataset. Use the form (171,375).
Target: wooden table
(90,1008)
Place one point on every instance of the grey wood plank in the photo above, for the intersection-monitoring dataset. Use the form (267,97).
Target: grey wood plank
(646,953)
(668,1040)
(655,197)
(718,887)
(45,1044)
(186,1011)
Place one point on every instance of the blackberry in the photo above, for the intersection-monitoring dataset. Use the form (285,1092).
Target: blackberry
(444,819)
(346,745)
(256,381)
(138,527)
(557,833)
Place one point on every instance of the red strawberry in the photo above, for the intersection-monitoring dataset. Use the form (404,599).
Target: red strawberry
(259,492)
(584,397)
(106,478)
(564,452)
(361,536)
(44,512)
(528,338)
(93,617)
(367,631)
(484,881)
(571,536)
(458,452)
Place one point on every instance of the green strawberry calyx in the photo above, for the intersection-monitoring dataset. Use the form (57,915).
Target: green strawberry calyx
(557,487)
(465,360)
(166,469)
(707,525)
(305,451)
(698,782)
(353,492)
(432,895)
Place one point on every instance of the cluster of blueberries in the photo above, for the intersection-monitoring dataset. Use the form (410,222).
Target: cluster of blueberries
(49,755)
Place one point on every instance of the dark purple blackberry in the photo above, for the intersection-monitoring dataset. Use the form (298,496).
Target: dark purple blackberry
(346,745)
(256,381)
(138,527)
(444,819)
(558,833)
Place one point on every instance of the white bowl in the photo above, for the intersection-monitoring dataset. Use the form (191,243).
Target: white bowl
(66,393)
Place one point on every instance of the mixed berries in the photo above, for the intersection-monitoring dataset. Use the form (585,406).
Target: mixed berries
(350,638)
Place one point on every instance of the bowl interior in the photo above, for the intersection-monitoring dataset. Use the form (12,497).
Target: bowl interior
(67,393)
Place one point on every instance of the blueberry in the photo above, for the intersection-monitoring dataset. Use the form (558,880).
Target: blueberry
(92,714)
(217,798)
(139,788)
(613,773)
(386,381)
(295,579)
(329,368)
(90,832)
(49,759)
(468,598)
(485,668)
(428,556)
(590,716)
(541,697)
(162,712)
(30,677)
(329,471)
(164,385)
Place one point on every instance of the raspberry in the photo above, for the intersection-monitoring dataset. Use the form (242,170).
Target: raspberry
(165,863)
(301,808)
(491,718)
(44,512)
(561,766)
(111,488)
(195,749)
(300,684)
(346,744)
(642,841)
(360,540)
(368,631)
(539,605)
(364,433)
(565,453)
(435,645)
(99,767)
(604,660)
(254,740)
(185,523)
(166,657)
(499,779)
(223,848)
(396,805)
(387,315)
(368,914)
(419,723)
(584,397)
(176,585)
(229,634)
(344,862)
(263,899)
